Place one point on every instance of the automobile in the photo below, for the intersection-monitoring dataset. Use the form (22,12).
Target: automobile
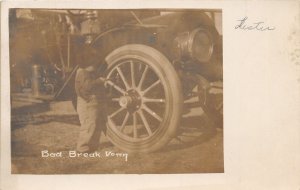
(153,60)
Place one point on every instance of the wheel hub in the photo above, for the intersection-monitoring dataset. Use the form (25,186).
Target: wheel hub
(132,101)
(125,101)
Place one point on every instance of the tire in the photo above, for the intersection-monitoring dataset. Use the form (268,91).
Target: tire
(74,102)
(143,108)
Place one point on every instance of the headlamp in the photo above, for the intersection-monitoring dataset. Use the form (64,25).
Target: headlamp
(197,45)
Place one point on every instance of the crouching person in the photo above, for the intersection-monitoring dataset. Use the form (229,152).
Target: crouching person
(90,107)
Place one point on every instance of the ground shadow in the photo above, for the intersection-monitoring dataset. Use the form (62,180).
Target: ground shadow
(30,108)
(193,130)
(19,121)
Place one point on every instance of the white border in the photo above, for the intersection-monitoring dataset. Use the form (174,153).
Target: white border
(253,147)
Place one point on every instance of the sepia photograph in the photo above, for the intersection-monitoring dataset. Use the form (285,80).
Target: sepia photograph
(106,91)
(116,91)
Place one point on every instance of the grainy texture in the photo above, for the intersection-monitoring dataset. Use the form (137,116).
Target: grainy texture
(155,71)
(200,149)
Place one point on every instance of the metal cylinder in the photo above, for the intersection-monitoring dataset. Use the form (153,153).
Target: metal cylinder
(36,80)
(90,26)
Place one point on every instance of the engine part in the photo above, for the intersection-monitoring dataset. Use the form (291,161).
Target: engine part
(90,26)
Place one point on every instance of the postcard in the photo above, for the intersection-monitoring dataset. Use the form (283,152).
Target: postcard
(151,95)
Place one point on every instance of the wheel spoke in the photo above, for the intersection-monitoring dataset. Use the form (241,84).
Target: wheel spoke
(153,100)
(151,112)
(151,86)
(123,78)
(124,121)
(132,74)
(134,126)
(115,99)
(116,87)
(145,122)
(116,112)
(143,77)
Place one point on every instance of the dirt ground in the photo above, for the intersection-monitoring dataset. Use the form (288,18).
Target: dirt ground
(54,127)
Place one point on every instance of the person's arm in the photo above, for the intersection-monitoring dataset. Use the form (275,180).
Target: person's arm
(89,84)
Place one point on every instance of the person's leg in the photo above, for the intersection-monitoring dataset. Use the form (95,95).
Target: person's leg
(90,130)
(82,144)
(96,127)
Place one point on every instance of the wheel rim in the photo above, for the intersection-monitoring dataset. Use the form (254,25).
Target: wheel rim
(137,101)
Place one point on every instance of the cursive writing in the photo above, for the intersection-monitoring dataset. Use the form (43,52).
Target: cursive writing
(254,26)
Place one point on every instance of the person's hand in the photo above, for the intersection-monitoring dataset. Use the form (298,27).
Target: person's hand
(107,82)
(101,80)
